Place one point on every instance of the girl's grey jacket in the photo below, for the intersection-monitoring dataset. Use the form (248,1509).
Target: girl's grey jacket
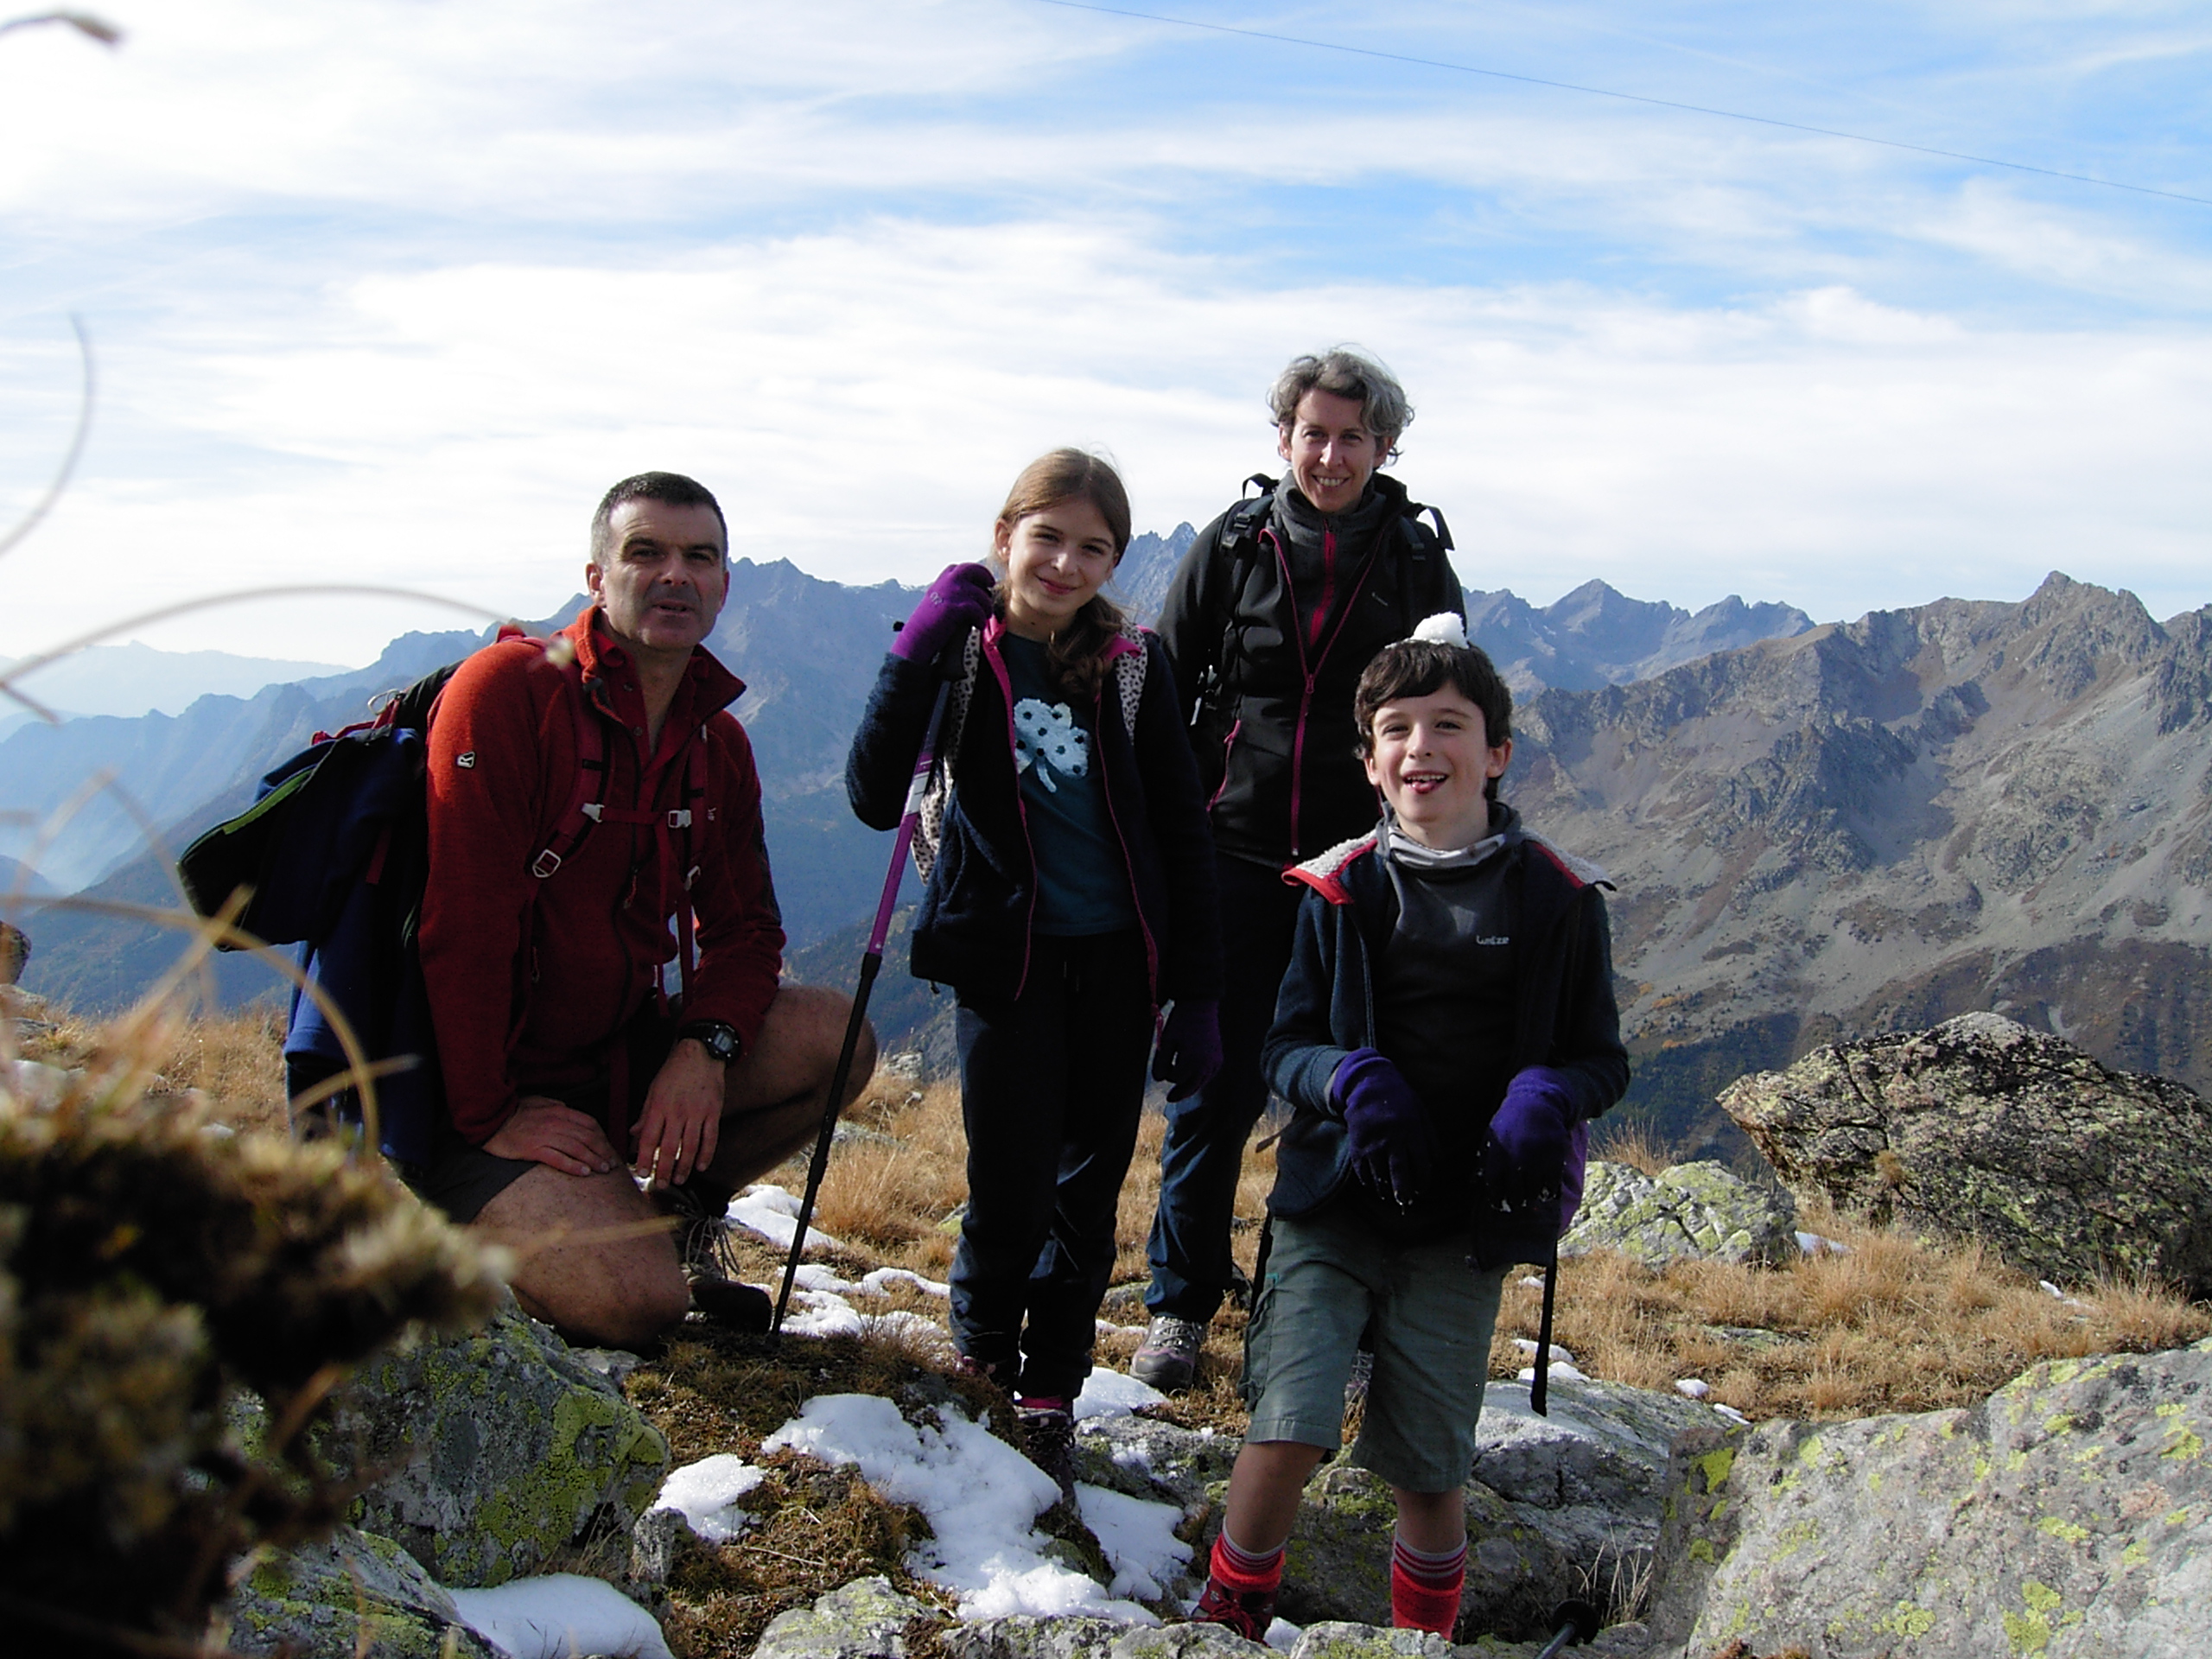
(1564,1017)
(973,929)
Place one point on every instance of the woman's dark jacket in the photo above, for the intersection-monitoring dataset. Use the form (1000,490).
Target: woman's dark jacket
(1271,706)
(973,929)
(1565,1018)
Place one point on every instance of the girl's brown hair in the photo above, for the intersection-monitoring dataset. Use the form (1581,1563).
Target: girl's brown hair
(1077,657)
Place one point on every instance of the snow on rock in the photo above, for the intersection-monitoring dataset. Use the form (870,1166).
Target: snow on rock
(1139,1539)
(706,1493)
(559,1616)
(980,1496)
(1108,1393)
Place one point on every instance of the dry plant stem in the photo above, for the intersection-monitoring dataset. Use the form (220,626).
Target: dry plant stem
(358,1063)
(87,397)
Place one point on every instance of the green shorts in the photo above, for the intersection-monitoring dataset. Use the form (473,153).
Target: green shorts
(1326,1278)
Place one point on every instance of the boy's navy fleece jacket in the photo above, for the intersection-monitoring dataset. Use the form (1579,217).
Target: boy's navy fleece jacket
(1565,1018)
(973,929)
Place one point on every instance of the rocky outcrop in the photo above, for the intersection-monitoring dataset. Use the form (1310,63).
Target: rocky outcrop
(1877,826)
(352,1595)
(1684,1212)
(1984,1129)
(2064,1516)
(506,1455)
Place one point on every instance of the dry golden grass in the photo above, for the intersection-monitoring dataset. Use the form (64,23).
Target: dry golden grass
(1898,1324)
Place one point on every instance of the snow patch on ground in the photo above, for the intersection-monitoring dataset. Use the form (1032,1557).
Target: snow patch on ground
(981,1497)
(560,1615)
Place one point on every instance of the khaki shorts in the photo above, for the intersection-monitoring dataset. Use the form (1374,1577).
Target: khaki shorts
(1326,1278)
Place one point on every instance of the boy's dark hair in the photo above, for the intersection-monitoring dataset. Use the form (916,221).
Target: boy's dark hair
(1414,668)
(672,489)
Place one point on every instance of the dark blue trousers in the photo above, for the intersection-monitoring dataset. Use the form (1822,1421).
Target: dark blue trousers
(1052,1085)
(1203,1151)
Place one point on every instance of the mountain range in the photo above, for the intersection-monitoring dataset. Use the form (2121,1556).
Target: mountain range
(1816,832)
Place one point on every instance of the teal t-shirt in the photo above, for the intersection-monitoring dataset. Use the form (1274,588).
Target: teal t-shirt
(1082,883)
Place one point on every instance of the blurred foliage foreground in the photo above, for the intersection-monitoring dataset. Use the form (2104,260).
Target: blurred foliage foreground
(153,1265)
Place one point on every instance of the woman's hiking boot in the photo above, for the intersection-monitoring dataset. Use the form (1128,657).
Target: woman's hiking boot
(1249,1614)
(1169,1358)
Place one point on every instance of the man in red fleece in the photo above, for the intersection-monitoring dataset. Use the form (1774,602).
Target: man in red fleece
(565,1069)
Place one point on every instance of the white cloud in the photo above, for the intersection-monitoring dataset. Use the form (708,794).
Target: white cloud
(389,290)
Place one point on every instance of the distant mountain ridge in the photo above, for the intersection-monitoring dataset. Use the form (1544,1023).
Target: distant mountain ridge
(1872,827)
(136,678)
(1818,833)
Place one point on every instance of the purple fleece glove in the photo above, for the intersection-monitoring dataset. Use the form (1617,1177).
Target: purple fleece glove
(1387,1132)
(959,600)
(1189,1047)
(1528,1131)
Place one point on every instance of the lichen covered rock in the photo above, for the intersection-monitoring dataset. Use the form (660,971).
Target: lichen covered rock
(508,1457)
(2066,1516)
(349,1595)
(865,1619)
(1983,1129)
(1685,1212)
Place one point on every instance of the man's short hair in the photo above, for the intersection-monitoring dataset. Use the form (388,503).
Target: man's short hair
(673,488)
(1415,668)
(1346,373)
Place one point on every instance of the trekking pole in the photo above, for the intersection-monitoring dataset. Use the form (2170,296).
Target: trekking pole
(1577,1622)
(871,963)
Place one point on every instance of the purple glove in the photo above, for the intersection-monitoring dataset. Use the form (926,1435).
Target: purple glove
(1386,1127)
(959,600)
(1528,1131)
(1189,1047)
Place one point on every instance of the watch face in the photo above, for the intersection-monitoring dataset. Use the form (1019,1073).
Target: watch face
(718,1039)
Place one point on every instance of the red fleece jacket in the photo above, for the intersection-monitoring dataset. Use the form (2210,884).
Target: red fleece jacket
(517,1014)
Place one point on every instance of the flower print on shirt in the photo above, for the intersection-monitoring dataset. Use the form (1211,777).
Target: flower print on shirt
(1049,738)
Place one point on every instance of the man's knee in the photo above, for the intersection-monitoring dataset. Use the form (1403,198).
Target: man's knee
(807,1029)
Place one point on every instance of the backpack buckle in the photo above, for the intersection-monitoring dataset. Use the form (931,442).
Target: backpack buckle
(545,863)
(592,810)
(679,818)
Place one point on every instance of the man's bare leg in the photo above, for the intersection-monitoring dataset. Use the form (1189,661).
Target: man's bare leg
(597,1261)
(777,1090)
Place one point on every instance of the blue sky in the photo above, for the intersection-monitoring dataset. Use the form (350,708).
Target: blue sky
(385,291)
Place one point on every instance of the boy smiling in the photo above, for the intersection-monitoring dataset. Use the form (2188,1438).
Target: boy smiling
(1444,1032)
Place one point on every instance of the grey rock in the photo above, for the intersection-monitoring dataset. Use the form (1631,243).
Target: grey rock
(1154,1460)
(1026,1637)
(1984,1129)
(2066,1516)
(1685,1212)
(496,1455)
(351,1596)
(865,1619)
(1335,1639)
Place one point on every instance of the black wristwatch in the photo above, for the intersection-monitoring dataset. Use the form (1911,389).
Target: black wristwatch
(719,1041)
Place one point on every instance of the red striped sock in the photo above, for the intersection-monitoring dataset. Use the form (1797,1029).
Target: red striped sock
(1425,1588)
(1241,1571)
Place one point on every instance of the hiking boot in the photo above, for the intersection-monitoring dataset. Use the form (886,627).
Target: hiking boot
(1048,1440)
(702,1244)
(1249,1615)
(1169,1358)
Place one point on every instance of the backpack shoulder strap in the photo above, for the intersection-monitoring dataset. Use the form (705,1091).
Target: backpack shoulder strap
(1240,544)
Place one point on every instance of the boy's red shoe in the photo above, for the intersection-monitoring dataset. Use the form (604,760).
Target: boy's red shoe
(1249,1614)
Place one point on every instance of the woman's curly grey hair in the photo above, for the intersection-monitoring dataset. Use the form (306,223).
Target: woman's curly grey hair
(1346,373)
